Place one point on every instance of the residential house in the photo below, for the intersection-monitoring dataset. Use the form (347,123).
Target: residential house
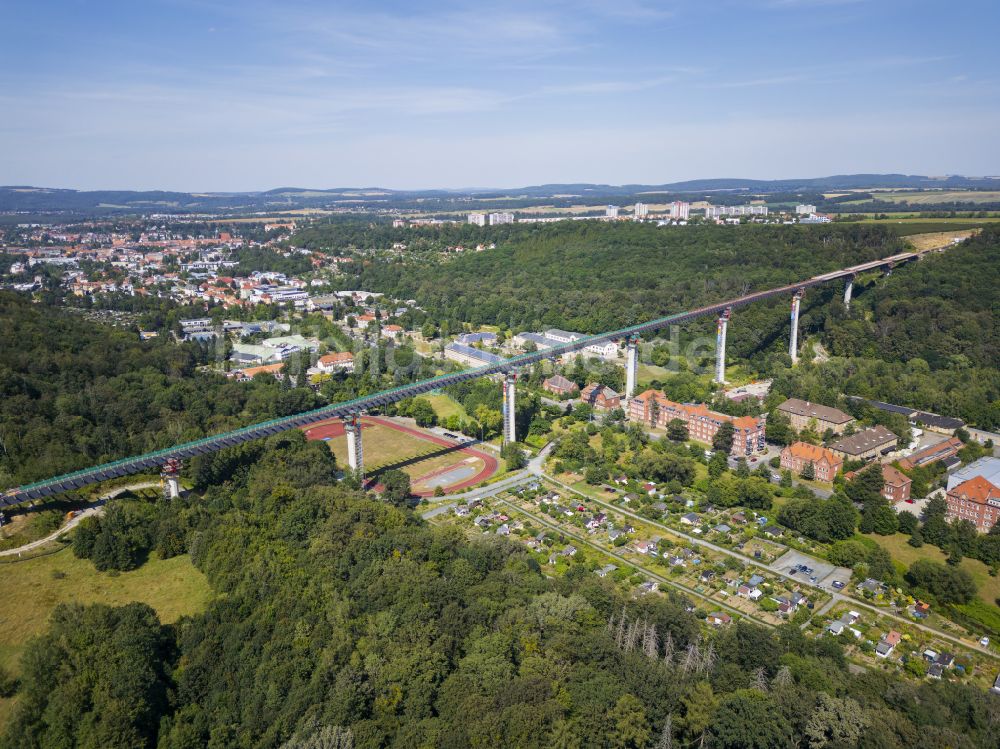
(606,570)
(718,618)
(805,415)
(601,397)
(826,464)
(690,518)
(559,385)
(866,444)
(772,531)
(342,361)
(976,500)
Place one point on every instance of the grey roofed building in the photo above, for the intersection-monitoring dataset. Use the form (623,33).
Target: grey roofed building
(988,468)
(872,440)
(807,410)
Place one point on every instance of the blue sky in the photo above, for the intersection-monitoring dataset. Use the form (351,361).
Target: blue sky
(220,95)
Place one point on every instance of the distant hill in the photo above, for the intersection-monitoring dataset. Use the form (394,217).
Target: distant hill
(42,200)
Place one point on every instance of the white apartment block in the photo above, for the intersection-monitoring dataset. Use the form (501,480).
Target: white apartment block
(611,211)
(680,210)
(641,210)
(501,218)
(477,219)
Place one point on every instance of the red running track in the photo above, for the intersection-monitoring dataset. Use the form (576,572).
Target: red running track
(335,428)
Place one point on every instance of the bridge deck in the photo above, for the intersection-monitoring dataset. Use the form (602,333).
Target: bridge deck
(157,458)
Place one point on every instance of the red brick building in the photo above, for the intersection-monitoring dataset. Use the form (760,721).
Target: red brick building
(896,486)
(601,397)
(977,500)
(825,463)
(654,409)
(559,385)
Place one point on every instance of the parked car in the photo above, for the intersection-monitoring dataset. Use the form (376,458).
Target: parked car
(838,584)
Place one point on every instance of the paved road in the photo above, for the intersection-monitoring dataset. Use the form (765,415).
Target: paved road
(717,605)
(837,597)
(95,508)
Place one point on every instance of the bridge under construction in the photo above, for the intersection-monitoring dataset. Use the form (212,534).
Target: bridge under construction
(351,410)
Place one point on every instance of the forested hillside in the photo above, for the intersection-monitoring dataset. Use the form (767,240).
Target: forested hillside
(342,621)
(927,336)
(592,277)
(73,393)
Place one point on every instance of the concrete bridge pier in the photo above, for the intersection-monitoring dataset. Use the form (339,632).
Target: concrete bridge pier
(355,447)
(848,290)
(793,343)
(720,345)
(170,475)
(509,411)
(631,366)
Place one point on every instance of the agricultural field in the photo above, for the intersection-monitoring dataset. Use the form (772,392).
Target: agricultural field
(934,197)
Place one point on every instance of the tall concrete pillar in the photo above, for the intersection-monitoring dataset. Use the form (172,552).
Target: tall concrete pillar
(720,346)
(793,343)
(509,413)
(170,475)
(355,446)
(848,290)
(631,366)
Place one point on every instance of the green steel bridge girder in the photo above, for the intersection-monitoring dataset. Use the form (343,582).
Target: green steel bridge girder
(137,464)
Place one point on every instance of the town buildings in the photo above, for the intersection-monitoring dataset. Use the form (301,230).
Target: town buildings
(641,211)
(601,397)
(805,415)
(866,444)
(342,362)
(976,500)
(896,484)
(652,407)
(559,385)
(497,219)
(470,357)
(946,451)
(826,464)
(477,219)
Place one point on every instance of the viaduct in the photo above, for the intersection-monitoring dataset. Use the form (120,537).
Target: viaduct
(166,460)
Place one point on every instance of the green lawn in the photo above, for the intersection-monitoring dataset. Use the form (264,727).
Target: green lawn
(445,406)
(902,552)
(33,588)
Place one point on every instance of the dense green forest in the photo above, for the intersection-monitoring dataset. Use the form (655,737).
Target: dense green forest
(927,336)
(592,277)
(74,394)
(341,621)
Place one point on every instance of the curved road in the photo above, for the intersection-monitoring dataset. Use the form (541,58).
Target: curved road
(95,508)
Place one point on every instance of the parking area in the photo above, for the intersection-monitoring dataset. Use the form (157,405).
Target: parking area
(815,572)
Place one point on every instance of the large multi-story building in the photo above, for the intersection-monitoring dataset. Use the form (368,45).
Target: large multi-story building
(805,415)
(641,210)
(611,211)
(680,209)
(501,218)
(895,483)
(870,443)
(976,500)
(798,455)
(722,211)
(805,209)
(653,408)
(477,219)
